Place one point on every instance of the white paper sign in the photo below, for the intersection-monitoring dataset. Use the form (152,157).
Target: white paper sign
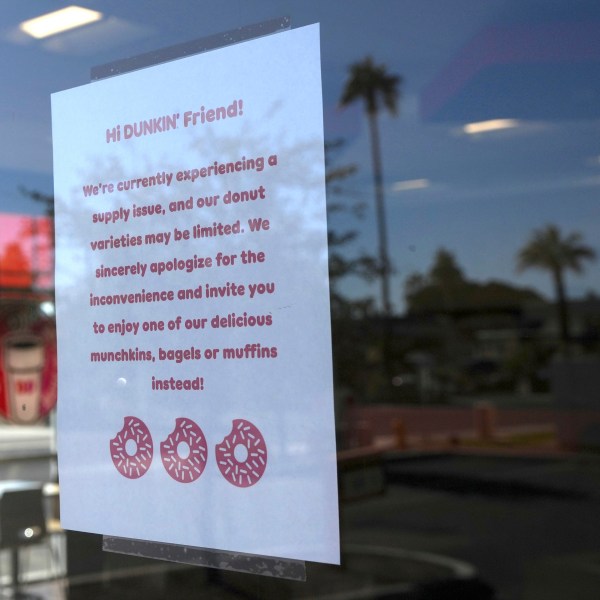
(195,382)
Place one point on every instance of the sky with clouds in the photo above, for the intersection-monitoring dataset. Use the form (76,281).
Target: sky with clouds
(480,195)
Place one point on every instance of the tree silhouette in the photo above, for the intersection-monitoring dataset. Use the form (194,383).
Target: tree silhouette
(445,271)
(342,262)
(15,268)
(445,289)
(378,89)
(548,250)
(45,276)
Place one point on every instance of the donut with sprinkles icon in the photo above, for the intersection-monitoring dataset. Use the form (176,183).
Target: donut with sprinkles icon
(242,455)
(132,448)
(184,452)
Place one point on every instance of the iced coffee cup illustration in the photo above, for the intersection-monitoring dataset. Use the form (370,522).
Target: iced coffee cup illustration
(23,364)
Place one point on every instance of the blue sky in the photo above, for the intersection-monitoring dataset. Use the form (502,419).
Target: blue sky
(485,193)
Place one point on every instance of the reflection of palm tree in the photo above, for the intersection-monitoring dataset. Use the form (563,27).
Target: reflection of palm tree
(548,250)
(371,83)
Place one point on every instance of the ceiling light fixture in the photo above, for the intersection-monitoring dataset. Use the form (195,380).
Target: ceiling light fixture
(410,184)
(59,21)
(492,125)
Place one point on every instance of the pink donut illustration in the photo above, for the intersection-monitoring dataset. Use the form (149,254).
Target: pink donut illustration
(135,434)
(188,468)
(245,438)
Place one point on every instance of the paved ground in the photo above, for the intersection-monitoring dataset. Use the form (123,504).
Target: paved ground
(529,526)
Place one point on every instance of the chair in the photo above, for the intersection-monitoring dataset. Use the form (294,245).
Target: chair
(22,523)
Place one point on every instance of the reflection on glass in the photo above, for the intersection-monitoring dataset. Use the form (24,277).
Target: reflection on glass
(465,298)
(26,252)
(59,21)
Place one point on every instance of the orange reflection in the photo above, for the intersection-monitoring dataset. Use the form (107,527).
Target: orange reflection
(26,252)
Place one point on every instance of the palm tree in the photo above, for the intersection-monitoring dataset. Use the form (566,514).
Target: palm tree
(371,83)
(548,250)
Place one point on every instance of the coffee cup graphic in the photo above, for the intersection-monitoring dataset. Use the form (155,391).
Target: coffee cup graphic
(23,364)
